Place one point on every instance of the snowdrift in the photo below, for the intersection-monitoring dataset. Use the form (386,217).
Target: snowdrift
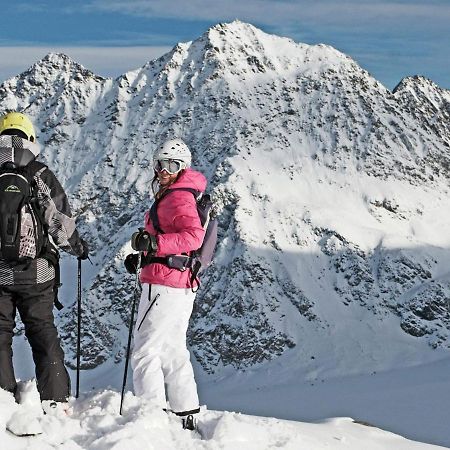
(95,424)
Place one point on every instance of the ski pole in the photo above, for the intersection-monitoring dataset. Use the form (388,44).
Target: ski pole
(130,332)
(77,392)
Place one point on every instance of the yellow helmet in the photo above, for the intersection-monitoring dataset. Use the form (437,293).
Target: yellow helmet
(17,121)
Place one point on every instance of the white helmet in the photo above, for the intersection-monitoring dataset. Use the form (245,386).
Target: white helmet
(174,149)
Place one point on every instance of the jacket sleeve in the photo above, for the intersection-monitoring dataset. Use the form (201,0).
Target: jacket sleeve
(188,232)
(57,214)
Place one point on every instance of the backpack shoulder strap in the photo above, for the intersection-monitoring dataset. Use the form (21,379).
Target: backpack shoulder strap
(32,168)
(153,216)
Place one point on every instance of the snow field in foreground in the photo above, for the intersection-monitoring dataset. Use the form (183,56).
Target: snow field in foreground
(95,424)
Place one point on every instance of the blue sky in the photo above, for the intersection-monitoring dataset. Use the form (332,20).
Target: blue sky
(390,39)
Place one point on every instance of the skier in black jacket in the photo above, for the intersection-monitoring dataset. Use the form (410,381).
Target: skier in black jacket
(28,284)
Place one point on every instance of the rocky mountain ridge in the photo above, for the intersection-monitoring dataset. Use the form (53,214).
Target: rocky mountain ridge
(329,186)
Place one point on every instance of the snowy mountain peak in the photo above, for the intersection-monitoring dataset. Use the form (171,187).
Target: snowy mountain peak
(420,87)
(416,82)
(58,60)
(45,82)
(57,65)
(430,104)
(241,46)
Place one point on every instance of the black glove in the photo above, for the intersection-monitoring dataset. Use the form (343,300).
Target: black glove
(131,263)
(85,254)
(143,241)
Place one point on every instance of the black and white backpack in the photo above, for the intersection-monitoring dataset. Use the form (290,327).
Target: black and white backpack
(23,234)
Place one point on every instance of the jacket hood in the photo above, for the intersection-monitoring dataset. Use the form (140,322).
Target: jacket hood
(20,151)
(192,179)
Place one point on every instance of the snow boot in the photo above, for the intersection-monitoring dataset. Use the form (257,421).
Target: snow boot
(189,422)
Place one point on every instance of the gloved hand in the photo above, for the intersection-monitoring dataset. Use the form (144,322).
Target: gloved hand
(85,254)
(143,241)
(131,263)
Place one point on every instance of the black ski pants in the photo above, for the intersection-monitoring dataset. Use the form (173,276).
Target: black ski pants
(35,306)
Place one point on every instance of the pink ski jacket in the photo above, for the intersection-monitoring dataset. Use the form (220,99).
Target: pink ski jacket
(183,231)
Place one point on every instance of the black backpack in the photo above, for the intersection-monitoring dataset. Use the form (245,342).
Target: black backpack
(23,234)
(201,258)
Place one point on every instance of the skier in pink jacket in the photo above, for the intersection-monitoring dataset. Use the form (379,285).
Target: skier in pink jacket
(162,370)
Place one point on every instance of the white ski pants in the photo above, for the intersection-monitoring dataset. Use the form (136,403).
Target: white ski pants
(160,356)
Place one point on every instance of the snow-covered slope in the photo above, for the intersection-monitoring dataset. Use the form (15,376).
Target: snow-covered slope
(333,256)
(95,423)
